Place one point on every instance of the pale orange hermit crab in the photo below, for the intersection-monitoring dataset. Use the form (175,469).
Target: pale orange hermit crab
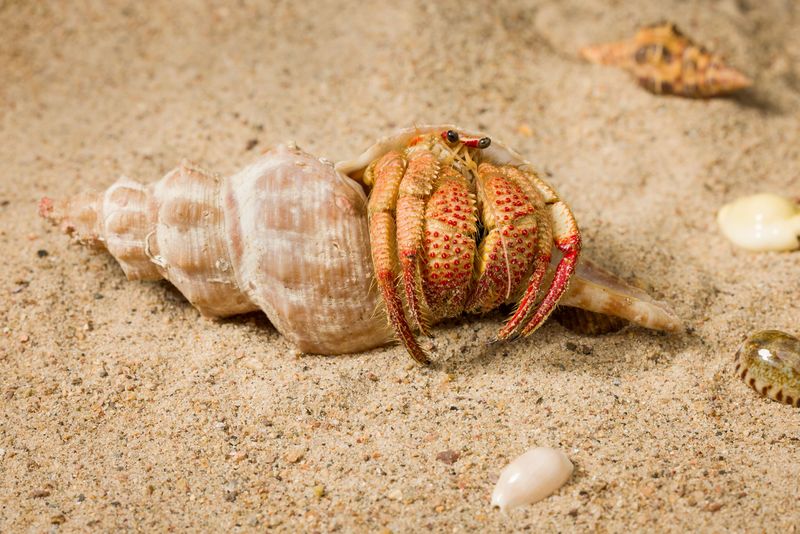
(425,224)
(469,235)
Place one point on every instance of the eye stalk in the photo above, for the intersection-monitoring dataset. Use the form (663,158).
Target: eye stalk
(452,137)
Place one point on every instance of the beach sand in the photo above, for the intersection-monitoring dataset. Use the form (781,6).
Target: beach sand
(121,408)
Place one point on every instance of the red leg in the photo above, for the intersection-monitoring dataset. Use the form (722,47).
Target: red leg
(397,316)
(553,217)
(526,304)
(568,241)
(507,252)
(382,226)
(544,245)
(564,271)
(415,189)
(387,175)
(449,245)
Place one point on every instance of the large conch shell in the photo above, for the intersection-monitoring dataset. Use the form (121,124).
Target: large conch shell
(287,235)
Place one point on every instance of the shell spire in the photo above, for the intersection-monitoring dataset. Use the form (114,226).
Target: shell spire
(664,61)
(115,220)
(600,294)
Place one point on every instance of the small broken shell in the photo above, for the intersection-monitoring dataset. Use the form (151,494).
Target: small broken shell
(762,222)
(596,290)
(769,362)
(664,61)
(531,477)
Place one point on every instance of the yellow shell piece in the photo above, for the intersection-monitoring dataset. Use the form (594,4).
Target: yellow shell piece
(762,222)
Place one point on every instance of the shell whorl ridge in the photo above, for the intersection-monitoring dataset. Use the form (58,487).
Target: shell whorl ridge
(288,235)
(299,238)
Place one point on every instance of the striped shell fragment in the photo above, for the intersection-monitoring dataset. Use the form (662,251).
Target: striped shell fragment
(769,362)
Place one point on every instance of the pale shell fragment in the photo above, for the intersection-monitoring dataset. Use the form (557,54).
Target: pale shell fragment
(531,477)
(762,222)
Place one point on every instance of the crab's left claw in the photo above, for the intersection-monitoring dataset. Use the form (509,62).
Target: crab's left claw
(567,240)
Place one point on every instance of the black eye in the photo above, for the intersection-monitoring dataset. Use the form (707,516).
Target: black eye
(484,142)
(452,136)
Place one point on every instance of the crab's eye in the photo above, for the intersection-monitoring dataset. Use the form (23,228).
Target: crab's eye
(484,142)
(451,136)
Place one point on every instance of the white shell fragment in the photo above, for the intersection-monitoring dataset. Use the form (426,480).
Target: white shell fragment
(762,222)
(531,477)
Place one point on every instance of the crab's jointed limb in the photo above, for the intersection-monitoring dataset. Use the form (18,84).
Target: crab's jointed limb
(564,233)
(386,175)
(449,248)
(568,241)
(422,174)
(506,215)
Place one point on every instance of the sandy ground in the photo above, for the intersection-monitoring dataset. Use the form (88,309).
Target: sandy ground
(122,408)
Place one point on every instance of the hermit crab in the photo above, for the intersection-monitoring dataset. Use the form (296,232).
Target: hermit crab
(469,235)
(429,223)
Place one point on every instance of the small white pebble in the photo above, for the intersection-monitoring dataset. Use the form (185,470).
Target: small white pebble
(253,364)
(395,495)
(762,222)
(531,477)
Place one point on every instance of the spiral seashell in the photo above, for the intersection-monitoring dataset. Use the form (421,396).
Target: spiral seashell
(664,61)
(287,235)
